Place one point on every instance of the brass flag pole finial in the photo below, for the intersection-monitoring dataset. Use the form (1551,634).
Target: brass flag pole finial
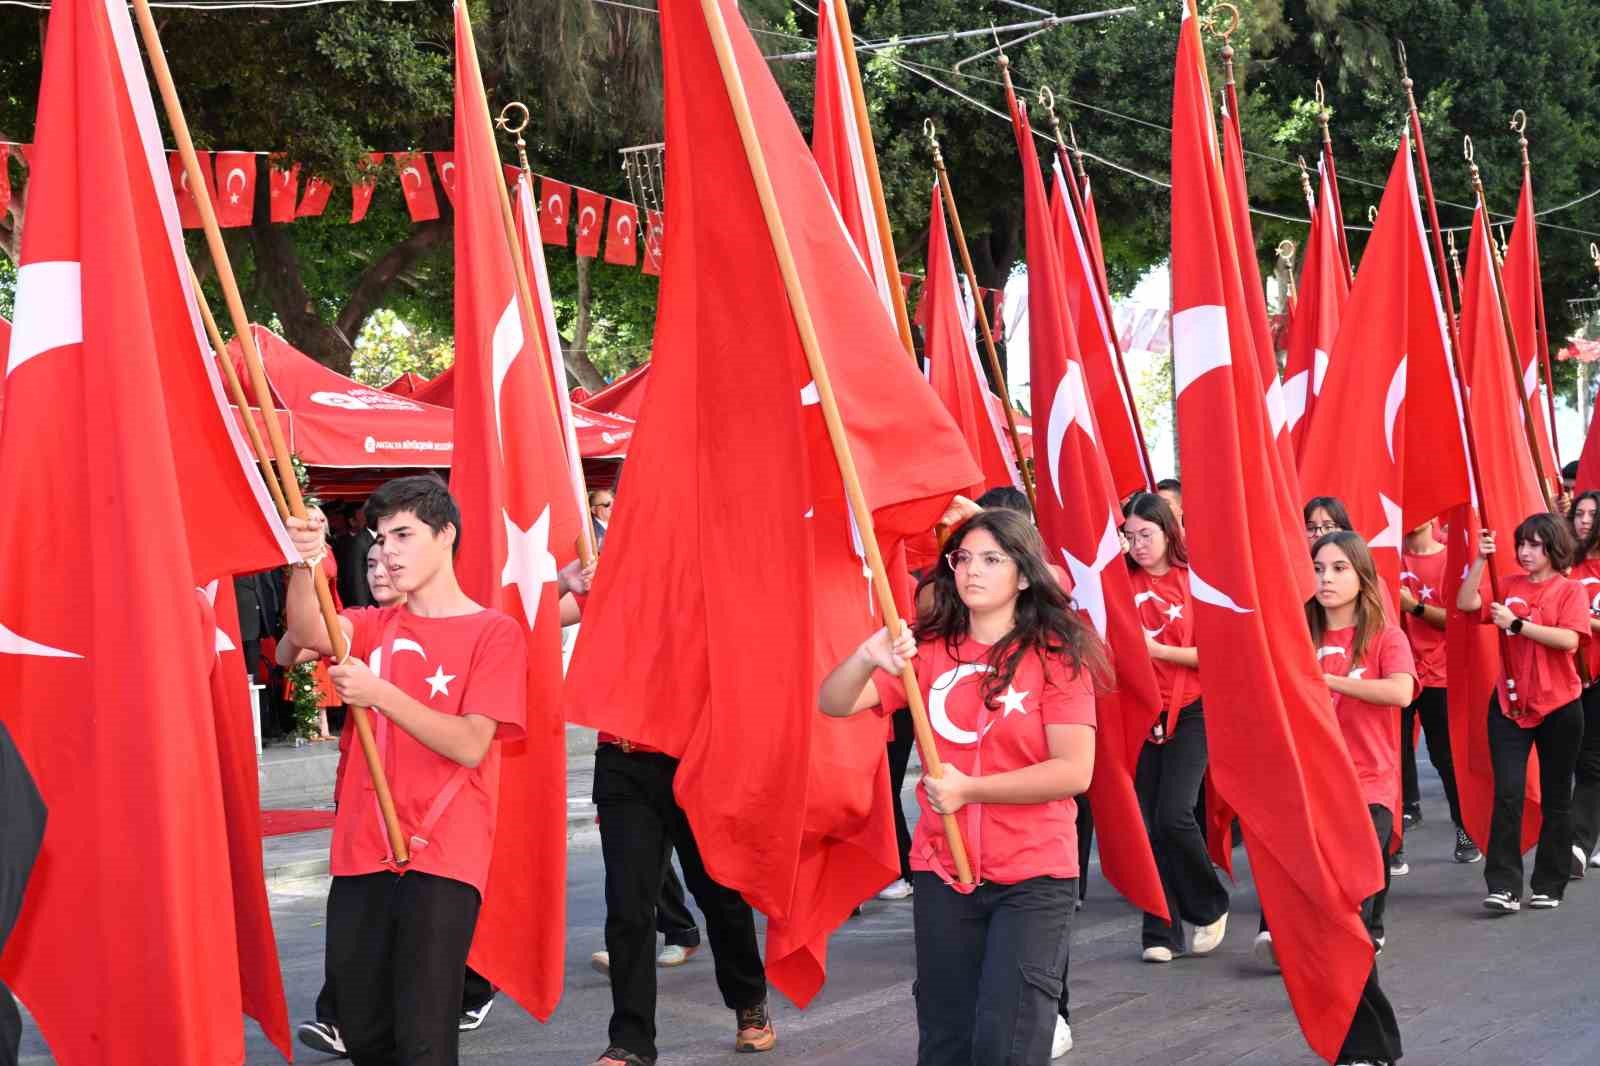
(932,135)
(1211,26)
(504,122)
(1077,153)
(1405,74)
(1372,214)
(1519,126)
(1305,185)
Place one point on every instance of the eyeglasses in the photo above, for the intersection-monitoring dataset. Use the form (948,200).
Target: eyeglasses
(1322,529)
(1144,536)
(963,560)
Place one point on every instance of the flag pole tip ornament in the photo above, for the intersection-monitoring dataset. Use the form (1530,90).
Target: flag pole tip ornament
(1209,23)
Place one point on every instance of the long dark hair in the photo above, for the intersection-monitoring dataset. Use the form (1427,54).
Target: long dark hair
(1369,598)
(1153,508)
(1588,543)
(1046,623)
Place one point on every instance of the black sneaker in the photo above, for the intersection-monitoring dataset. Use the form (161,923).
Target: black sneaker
(1540,901)
(1502,902)
(1412,815)
(323,1037)
(1398,867)
(472,1017)
(1466,850)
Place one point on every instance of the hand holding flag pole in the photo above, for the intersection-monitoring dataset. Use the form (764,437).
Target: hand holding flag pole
(995,367)
(290,488)
(722,44)
(1511,333)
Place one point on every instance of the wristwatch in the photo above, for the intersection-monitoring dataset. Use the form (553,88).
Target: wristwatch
(1418,609)
(1515,627)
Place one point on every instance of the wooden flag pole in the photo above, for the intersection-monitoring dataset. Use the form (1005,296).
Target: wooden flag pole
(1323,116)
(1541,333)
(586,546)
(995,366)
(1048,99)
(1525,402)
(258,380)
(236,393)
(869,156)
(800,306)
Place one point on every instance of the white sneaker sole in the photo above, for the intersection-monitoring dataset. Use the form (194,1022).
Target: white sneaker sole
(1061,1043)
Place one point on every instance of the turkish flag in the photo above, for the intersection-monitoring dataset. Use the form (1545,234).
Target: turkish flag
(5,179)
(236,188)
(1507,492)
(1276,752)
(417,186)
(520,520)
(445,164)
(1080,520)
(953,367)
(554,196)
(622,234)
(361,192)
(282,190)
(1091,230)
(841,152)
(591,222)
(1314,323)
(315,200)
(1524,282)
(129,937)
(788,808)
(655,236)
(188,210)
(1387,438)
(1115,412)
(1281,478)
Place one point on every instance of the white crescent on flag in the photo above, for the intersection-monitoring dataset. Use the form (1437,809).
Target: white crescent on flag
(586,220)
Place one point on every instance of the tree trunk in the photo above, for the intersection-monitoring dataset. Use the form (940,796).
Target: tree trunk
(576,355)
(278,272)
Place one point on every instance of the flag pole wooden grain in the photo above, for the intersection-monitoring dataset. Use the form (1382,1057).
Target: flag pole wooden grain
(799,304)
(293,500)
(983,312)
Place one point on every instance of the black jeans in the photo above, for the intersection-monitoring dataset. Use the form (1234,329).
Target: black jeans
(397,953)
(1432,708)
(1168,780)
(640,822)
(899,758)
(1586,779)
(1557,737)
(989,968)
(673,920)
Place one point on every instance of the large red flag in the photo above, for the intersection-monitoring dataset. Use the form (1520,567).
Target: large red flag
(953,368)
(735,521)
(519,522)
(1115,412)
(5,345)
(1524,283)
(1507,492)
(841,155)
(1276,752)
(1079,518)
(139,490)
(1324,288)
(1091,230)
(1387,438)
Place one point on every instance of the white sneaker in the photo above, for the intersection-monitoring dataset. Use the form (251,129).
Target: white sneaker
(1207,937)
(899,888)
(1594,860)
(673,955)
(601,961)
(1540,901)
(323,1037)
(1157,954)
(1061,1043)
(1504,902)
(1262,950)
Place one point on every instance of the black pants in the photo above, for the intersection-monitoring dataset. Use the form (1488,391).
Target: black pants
(673,920)
(475,992)
(10,1028)
(640,822)
(1168,780)
(1374,1033)
(1586,779)
(1432,708)
(899,757)
(397,953)
(989,968)
(1557,737)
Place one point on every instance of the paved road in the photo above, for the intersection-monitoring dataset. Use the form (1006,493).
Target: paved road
(1471,990)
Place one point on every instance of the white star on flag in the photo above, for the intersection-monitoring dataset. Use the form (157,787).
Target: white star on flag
(1012,701)
(223,643)
(1088,591)
(439,683)
(529,564)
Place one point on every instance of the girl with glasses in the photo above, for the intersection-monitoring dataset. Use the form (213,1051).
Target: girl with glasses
(1172,764)
(1324,515)
(1008,671)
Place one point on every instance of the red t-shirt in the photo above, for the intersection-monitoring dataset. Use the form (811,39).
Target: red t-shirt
(1587,574)
(468,664)
(1546,679)
(1371,730)
(1006,843)
(1163,607)
(1423,577)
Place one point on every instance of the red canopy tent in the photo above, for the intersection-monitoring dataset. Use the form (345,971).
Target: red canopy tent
(624,396)
(406,384)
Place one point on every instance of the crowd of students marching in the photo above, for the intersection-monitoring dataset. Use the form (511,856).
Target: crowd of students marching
(1013,669)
